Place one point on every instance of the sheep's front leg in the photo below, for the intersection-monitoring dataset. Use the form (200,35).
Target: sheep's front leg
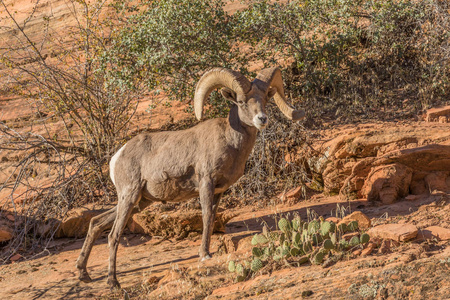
(209,203)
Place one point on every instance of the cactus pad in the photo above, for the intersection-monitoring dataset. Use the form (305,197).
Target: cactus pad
(256,265)
(257,252)
(318,258)
(296,223)
(365,238)
(342,227)
(283,224)
(303,259)
(296,238)
(313,226)
(259,239)
(354,241)
(352,226)
(328,244)
(295,252)
(333,238)
(282,238)
(231,266)
(343,244)
(307,247)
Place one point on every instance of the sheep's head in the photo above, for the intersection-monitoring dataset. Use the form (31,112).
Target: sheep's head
(250,97)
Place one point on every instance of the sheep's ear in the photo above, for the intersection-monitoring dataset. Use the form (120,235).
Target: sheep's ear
(272,91)
(229,94)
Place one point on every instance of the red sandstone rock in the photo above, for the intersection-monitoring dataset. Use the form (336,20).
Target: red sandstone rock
(438,181)
(333,219)
(362,219)
(6,233)
(437,232)
(368,250)
(294,193)
(441,114)
(15,257)
(387,183)
(357,252)
(396,232)
(385,246)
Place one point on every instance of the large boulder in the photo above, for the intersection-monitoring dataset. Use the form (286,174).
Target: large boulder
(384,162)
(174,223)
(396,232)
(387,183)
(76,224)
(441,114)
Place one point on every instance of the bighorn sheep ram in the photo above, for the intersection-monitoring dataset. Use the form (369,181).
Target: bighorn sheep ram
(203,161)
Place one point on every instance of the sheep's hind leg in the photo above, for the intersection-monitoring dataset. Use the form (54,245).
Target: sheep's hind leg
(127,201)
(97,225)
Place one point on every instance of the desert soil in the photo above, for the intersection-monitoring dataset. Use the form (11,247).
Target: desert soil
(151,267)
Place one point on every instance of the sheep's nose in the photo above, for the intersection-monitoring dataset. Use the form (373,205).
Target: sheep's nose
(263,119)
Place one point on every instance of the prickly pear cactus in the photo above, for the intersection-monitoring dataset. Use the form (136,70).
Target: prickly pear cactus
(257,252)
(325,228)
(256,265)
(305,235)
(240,270)
(352,226)
(307,247)
(365,238)
(354,241)
(303,259)
(232,266)
(318,258)
(296,238)
(316,239)
(296,223)
(282,238)
(295,252)
(313,226)
(284,225)
(328,244)
(265,230)
(333,238)
(343,244)
(305,226)
(343,228)
(298,242)
(259,239)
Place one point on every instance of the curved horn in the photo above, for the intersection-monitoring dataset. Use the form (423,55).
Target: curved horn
(272,77)
(215,78)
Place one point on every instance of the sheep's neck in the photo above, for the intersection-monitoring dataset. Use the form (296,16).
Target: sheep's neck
(240,135)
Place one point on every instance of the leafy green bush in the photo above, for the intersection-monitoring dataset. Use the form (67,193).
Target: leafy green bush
(353,60)
(168,44)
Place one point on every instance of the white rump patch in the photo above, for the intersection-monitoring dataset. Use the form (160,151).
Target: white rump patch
(112,163)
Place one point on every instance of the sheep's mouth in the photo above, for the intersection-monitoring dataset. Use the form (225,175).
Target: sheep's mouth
(260,121)
(260,127)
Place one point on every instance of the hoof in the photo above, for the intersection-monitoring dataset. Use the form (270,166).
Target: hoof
(113,284)
(205,257)
(84,276)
